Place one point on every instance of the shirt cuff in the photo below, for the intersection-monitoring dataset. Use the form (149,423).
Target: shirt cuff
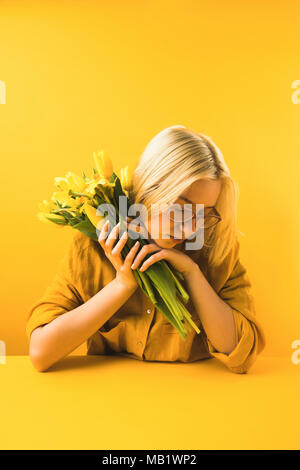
(243,355)
(43,313)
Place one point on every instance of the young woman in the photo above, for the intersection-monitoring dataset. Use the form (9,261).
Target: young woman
(95,297)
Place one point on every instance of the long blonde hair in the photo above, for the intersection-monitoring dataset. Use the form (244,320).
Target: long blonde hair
(175,158)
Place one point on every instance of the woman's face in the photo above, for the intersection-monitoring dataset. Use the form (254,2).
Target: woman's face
(200,192)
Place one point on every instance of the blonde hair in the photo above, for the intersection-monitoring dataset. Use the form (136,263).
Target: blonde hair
(175,158)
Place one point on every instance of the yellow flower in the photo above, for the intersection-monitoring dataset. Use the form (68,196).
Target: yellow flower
(91,212)
(46,206)
(70,181)
(75,203)
(103,164)
(77,183)
(90,186)
(125,178)
(66,201)
(61,183)
(61,196)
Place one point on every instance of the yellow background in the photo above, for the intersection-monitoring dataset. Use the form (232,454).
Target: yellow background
(89,75)
(105,402)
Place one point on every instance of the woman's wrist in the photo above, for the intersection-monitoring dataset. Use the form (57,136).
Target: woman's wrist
(125,286)
(192,271)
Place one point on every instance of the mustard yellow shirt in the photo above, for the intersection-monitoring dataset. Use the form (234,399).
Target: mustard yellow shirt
(138,329)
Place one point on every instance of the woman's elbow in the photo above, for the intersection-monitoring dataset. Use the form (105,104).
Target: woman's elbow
(37,362)
(36,351)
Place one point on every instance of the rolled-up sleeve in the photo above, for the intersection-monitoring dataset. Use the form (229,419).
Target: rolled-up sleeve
(250,339)
(63,293)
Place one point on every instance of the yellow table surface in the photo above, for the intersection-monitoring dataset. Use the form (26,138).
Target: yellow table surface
(115,402)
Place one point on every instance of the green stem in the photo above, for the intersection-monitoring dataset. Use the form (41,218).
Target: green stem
(184,294)
(74,193)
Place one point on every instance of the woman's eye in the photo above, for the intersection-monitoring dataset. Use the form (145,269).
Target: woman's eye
(182,216)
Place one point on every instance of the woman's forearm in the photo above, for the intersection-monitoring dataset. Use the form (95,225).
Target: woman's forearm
(65,333)
(216,315)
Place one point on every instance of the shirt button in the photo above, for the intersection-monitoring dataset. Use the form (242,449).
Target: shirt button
(140,343)
(149,310)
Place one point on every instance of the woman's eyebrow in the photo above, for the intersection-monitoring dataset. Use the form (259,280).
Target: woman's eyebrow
(187,200)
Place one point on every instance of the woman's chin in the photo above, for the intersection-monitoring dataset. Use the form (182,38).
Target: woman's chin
(168,242)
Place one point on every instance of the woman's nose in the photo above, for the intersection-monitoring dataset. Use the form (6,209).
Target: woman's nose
(184,230)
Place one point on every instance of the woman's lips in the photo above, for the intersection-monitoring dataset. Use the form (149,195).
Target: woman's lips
(177,240)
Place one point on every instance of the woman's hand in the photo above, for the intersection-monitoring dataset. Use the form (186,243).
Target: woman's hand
(182,262)
(124,272)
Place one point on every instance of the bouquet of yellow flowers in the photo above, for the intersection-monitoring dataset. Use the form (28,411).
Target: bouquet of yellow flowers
(77,202)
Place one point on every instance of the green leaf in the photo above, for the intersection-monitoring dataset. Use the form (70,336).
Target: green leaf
(113,177)
(148,286)
(87,228)
(174,322)
(84,176)
(98,198)
(181,290)
(57,221)
(118,191)
(65,214)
